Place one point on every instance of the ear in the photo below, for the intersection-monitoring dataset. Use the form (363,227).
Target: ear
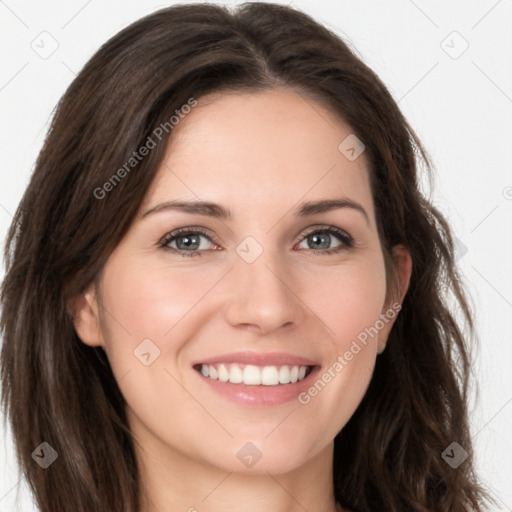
(84,312)
(403,264)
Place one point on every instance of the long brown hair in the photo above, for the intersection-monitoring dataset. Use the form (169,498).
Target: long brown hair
(389,455)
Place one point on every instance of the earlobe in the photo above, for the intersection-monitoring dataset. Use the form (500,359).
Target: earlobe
(403,264)
(84,313)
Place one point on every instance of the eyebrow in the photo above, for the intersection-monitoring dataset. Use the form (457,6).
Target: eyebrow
(219,212)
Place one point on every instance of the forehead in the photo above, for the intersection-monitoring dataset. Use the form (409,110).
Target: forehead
(265,147)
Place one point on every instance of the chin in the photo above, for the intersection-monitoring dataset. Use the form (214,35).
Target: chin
(265,455)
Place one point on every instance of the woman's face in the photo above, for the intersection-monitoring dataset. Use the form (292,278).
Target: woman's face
(277,273)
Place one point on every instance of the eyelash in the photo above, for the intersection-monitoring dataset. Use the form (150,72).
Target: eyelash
(346,240)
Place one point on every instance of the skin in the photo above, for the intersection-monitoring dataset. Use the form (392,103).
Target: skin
(259,155)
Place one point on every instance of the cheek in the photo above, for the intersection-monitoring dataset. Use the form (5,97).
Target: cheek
(161,303)
(154,310)
(349,299)
(148,302)
(349,305)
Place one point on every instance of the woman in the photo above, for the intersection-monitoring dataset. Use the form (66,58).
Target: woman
(224,289)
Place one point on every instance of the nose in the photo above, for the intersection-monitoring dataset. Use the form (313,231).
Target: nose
(262,296)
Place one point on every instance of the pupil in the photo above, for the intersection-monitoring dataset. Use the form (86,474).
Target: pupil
(318,238)
(188,241)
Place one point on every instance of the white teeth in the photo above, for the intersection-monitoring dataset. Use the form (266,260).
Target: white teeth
(223,373)
(284,375)
(252,375)
(270,376)
(235,374)
(213,373)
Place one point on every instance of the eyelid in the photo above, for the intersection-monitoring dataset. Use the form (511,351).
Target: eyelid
(324,227)
(329,228)
(175,233)
(347,241)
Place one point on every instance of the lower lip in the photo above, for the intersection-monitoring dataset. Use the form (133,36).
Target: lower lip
(260,395)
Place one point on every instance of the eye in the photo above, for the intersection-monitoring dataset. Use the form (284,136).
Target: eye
(187,241)
(192,241)
(320,240)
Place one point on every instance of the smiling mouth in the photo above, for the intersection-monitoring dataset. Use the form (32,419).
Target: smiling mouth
(252,375)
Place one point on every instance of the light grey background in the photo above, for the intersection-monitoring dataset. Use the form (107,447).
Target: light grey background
(458,100)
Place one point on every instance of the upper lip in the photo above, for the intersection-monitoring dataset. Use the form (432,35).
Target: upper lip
(258,359)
